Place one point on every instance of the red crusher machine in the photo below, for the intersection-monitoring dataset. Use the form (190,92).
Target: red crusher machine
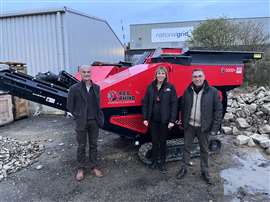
(123,86)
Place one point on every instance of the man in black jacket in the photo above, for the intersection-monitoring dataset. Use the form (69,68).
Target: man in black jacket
(201,116)
(84,104)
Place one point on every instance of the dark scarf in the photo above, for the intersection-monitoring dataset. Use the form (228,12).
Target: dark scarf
(197,89)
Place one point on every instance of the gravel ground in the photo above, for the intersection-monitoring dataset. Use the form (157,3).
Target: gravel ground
(127,179)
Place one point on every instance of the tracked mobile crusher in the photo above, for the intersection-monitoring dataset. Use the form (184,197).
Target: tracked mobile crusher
(123,86)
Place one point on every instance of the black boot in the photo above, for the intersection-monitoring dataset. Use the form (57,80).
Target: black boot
(162,168)
(153,165)
(206,177)
(182,172)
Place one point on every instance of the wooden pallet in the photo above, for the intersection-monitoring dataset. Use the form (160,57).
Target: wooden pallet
(21,106)
(6,115)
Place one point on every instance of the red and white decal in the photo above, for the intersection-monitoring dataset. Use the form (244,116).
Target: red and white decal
(239,70)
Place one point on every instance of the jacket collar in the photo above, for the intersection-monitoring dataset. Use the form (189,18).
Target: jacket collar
(84,91)
(205,86)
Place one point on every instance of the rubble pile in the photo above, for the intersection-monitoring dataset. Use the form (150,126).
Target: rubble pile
(15,155)
(248,118)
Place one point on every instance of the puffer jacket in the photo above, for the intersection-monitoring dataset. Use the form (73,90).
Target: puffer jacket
(211,108)
(168,102)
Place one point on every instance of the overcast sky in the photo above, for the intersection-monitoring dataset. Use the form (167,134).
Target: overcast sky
(148,11)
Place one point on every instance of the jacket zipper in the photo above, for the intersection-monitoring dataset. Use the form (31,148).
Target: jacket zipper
(195,108)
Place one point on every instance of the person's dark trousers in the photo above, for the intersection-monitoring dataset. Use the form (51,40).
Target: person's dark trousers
(190,133)
(159,133)
(91,133)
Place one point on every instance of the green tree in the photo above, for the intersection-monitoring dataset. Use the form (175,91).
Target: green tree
(214,34)
(224,34)
(251,35)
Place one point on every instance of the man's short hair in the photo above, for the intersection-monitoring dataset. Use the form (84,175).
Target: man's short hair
(84,66)
(198,70)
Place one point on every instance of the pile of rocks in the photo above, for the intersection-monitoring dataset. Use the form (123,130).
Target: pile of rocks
(15,155)
(248,118)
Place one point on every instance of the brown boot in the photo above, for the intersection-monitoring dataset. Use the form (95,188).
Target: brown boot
(96,172)
(79,175)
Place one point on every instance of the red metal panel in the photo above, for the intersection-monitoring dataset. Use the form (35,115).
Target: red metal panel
(217,75)
(128,87)
(99,73)
(171,51)
(133,122)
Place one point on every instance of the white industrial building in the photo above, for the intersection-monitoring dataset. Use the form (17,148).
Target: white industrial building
(57,39)
(175,34)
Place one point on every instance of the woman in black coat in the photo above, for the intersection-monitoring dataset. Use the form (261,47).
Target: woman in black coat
(159,111)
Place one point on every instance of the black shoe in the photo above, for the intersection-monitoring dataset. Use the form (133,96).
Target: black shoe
(153,165)
(162,168)
(182,172)
(206,177)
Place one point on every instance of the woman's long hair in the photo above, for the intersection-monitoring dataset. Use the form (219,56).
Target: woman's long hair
(163,69)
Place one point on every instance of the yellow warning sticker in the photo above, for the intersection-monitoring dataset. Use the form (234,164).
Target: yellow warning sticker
(257,56)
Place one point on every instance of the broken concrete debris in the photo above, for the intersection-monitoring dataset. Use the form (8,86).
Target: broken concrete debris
(248,117)
(15,155)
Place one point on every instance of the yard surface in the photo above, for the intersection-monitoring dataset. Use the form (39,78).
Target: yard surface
(240,173)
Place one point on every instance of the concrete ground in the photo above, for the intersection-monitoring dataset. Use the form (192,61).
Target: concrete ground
(127,179)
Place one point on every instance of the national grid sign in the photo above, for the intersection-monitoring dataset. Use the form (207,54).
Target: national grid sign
(171,34)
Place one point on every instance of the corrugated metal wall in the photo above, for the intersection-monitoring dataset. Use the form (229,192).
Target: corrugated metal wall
(54,40)
(90,40)
(32,39)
